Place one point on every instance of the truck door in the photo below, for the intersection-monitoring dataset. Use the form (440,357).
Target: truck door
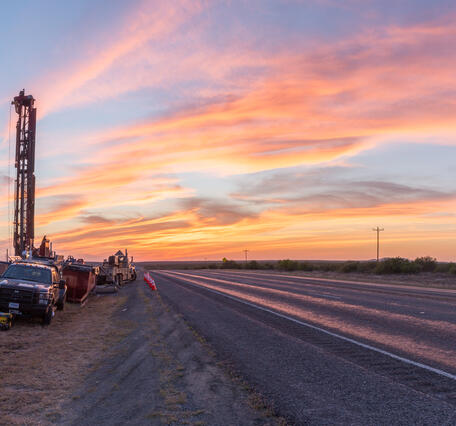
(55,284)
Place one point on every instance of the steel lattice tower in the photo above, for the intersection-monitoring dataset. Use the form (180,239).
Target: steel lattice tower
(24,196)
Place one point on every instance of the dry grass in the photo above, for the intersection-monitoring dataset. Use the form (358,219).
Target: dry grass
(42,365)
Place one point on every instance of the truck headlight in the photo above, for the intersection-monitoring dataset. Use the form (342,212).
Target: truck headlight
(44,298)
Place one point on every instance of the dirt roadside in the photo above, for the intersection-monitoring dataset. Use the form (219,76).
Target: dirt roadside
(40,365)
(123,359)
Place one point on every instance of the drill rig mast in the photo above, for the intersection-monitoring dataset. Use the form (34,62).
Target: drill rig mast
(24,196)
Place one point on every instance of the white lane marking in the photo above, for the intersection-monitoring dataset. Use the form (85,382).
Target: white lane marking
(330,333)
(310,293)
(273,290)
(451,292)
(326,296)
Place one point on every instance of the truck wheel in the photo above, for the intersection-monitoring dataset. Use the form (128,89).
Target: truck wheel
(61,305)
(117,281)
(47,317)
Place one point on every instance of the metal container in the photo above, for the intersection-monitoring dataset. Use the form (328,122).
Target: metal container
(80,280)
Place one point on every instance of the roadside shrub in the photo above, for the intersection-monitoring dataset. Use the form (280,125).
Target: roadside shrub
(199,266)
(306,266)
(287,265)
(229,264)
(348,267)
(328,266)
(397,265)
(427,263)
(212,266)
(268,265)
(367,267)
(253,264)
(452,269)
(443,267)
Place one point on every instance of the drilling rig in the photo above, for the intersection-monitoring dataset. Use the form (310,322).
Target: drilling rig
(24,199)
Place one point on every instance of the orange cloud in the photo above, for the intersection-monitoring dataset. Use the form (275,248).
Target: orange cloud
(64,210)
(200,229)
(308,106)
(148,21)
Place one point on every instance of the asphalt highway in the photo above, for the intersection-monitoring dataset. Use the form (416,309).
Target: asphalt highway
(328,351)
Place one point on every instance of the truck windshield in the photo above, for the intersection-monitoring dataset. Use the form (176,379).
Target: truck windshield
(28,273)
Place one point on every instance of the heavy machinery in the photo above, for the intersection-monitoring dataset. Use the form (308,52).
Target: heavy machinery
(72,278)
(117,270)
(32,284)
(24,196)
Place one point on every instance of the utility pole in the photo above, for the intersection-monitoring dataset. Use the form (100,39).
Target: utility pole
(245,252)
(378,230)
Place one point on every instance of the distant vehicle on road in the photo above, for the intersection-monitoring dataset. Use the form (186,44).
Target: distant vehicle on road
(32,289)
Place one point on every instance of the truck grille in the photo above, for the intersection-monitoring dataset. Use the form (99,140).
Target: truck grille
(13,295)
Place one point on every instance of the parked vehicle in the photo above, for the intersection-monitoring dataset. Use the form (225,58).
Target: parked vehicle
(33,288)
(117,270)
(3,266)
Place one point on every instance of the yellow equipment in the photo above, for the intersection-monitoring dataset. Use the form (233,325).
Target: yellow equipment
(6,321)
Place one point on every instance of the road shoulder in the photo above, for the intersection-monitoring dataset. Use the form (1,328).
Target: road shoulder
(162,372)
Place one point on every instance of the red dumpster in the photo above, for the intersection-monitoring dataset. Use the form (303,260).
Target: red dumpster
(80,280)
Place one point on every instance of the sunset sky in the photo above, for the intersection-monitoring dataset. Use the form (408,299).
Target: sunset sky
(197,129)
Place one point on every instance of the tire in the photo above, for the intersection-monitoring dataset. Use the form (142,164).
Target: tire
(61,305)
(48,315)
(118,281)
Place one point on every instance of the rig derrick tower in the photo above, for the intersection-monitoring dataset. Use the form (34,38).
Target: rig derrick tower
(24,195)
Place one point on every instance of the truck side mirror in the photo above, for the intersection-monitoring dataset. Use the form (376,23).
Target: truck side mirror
(62,284)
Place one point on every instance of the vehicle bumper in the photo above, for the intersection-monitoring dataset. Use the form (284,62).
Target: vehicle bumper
(24,309)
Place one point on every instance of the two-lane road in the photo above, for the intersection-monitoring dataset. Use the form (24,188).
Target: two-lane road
(328,351)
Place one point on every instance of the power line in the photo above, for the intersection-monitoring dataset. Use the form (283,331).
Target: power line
(378,230)
(245,252)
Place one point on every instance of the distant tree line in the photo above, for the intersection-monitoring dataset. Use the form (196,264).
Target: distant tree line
(395,265)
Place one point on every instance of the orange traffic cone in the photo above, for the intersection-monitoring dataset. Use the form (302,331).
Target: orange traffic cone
(150,281)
